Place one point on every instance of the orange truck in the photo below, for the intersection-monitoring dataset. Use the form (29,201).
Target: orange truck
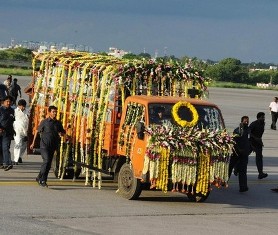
(142,122)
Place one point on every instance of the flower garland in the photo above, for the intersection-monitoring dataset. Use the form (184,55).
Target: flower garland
(178,120)
(198,157)
(65,81)
(135,113)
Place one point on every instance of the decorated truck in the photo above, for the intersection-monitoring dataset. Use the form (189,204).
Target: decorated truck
(144,123)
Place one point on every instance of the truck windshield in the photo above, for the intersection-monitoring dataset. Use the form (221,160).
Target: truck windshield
(209,116)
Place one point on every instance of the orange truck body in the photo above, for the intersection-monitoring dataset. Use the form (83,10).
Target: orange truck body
(120,149)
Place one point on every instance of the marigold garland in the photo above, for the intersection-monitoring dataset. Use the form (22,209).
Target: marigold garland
(177,118)
(197,157)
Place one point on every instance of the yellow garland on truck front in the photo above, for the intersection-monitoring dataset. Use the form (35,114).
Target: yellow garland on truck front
(181,122)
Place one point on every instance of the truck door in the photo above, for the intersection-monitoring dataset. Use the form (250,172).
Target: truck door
(129,145)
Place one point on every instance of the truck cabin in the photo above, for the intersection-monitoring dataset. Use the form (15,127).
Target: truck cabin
(209,116)
(159,111)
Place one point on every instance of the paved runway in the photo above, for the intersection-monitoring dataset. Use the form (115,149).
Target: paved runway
(68,207)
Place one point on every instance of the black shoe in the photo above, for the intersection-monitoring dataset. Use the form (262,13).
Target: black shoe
(38,180)
(43,184)
(262,175)
(275,190)
(2,167)
(243,190)
(8,167)
(20,160)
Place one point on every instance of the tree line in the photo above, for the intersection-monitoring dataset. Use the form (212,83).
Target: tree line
(227,70)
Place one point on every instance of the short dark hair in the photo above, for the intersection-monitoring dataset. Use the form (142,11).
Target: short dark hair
(51,107)
(8,97)
(260,114)
(244,117)
(22,102)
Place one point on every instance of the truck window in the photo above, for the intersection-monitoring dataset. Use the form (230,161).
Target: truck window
(209,117)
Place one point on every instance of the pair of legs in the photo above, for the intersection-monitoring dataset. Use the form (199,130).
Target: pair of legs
(259,161)
(47,156)
(240,162)
(274,116)
(5,146)
(19,147)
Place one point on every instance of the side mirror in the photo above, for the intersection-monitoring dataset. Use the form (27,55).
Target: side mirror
(140,128)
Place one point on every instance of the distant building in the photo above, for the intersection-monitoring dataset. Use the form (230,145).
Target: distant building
(116,52)
(42,49)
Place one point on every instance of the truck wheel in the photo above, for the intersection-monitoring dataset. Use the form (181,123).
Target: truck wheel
(197,197)
(69,173)
(129,187)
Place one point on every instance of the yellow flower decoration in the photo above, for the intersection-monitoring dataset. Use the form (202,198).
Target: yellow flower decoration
(177,118)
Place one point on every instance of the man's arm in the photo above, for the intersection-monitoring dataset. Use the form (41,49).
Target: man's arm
(40,128)
(34,139)
(19,90)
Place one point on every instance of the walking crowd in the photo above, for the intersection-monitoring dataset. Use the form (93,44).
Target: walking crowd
(14,120)
(248,139)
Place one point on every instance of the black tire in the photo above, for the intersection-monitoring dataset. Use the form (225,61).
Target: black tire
(69,173)
(197,197)
(129,187)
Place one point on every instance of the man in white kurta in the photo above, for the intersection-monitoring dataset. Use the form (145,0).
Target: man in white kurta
(21,127)
(273,107)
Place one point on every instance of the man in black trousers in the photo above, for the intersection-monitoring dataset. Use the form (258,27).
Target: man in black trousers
(242,150)
(6,132)
(50,130)
(256,133)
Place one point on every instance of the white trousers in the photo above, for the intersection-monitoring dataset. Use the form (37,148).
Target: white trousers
(19,147)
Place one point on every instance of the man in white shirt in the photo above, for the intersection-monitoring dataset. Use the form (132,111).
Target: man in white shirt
(273,107)
(21,127)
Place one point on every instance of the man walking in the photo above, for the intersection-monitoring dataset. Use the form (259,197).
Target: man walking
(6,131)
(50,130)
(242,150)
(256,132)
(273,107)
(21,127)
(15,90)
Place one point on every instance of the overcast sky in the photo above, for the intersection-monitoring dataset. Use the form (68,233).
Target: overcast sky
(206,29)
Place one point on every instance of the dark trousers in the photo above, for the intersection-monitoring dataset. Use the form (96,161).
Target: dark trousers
(274,116)
(259,158)
(1,152)
(5,147)
(47,156)
(240,162)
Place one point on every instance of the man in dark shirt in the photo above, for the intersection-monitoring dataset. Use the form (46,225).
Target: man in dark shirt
(256,133)
(15,90)
(6,132)
(50,130)
(242,150)
(3,91)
